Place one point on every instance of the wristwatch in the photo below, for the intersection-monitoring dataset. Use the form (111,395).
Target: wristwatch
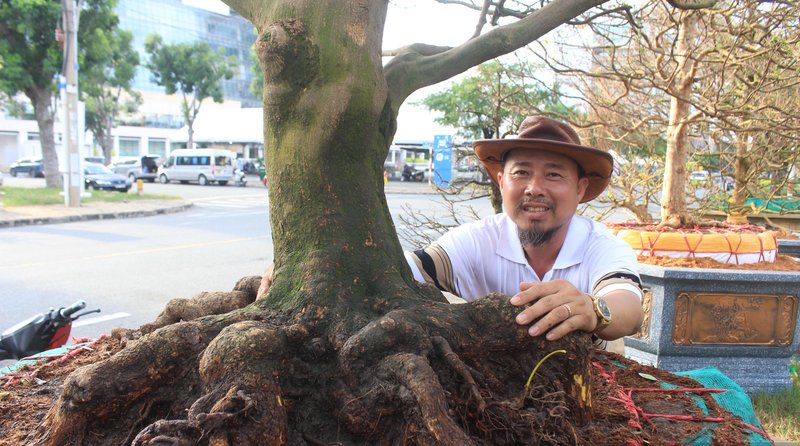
(602,311)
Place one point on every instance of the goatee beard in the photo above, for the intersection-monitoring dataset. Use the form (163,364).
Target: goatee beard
(535,238)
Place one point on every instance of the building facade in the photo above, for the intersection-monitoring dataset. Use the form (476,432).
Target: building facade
(176,22)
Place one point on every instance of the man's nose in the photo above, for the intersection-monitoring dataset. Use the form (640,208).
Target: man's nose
(535,186)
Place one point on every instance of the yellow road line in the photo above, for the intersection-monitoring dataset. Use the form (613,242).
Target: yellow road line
(144,251)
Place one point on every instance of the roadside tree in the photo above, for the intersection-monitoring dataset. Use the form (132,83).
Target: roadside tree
(31,57)
(110,63)
(345,347)
(192,69)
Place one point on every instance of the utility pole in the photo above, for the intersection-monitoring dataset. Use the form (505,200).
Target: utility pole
(69,96)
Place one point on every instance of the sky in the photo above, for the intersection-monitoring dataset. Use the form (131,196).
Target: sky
(407,22)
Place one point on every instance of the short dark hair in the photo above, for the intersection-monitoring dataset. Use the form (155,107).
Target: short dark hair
(581,170)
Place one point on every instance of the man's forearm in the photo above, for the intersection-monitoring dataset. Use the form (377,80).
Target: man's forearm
(627,314)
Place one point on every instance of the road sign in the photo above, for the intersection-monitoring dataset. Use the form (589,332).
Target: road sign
(442,160)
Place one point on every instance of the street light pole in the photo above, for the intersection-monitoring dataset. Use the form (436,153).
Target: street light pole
(70,135)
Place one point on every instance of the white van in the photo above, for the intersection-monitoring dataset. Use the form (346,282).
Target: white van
(202,165)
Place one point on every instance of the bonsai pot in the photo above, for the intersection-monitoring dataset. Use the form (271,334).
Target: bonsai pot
(743,322)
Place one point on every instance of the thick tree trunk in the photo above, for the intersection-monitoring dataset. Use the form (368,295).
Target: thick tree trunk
(325,143)
(41,97)
(673,201)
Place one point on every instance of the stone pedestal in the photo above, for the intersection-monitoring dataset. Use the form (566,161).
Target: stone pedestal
(744,323)
(789,247)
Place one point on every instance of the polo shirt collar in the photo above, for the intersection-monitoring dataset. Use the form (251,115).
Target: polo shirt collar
(571,251)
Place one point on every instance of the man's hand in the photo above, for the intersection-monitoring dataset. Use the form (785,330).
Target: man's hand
(266,281)
(564,307)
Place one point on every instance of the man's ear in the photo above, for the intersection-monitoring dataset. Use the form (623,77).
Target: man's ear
(500,179)
(583,183)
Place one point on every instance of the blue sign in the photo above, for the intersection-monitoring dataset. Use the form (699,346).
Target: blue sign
(442,160)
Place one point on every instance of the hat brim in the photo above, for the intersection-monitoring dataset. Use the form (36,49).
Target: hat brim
(597,164)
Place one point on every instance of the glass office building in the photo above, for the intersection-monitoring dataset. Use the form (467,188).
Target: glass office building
(179,23)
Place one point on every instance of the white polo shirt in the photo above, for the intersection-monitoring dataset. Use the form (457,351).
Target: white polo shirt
(487,257)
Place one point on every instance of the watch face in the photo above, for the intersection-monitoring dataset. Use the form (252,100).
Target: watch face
(603,307)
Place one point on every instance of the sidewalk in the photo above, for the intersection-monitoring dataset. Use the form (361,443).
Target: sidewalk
(58,213)
(409,188)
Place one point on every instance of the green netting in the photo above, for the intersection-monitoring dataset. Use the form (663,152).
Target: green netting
(9,369)
(734,401)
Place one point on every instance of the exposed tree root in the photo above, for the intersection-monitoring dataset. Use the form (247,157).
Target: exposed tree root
(206,303)
(425,374)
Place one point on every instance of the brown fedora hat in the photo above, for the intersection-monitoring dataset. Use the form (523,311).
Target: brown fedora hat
(541,133)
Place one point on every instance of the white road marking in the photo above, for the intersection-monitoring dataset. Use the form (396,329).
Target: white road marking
(97,320)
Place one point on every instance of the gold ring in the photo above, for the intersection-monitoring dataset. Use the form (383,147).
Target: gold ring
(569,310)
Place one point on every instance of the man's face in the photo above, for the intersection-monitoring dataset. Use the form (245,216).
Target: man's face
(541,191)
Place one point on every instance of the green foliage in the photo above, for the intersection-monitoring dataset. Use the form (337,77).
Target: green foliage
(28,50)
(107,57)
(492,101)
(108,62)
(191,69)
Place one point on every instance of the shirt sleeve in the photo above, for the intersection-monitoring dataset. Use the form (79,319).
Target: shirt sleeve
(615,266)
(432,265)
(618,281)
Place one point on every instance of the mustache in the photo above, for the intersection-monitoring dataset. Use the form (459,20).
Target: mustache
(528,200)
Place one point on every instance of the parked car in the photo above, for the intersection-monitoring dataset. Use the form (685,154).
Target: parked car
(100,177)
(699,176)
(32,167)
(202,165)
(145,168)
(95,159)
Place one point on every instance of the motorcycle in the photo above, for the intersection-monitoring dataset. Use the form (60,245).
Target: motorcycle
(239,178)
(41,332)
(411,174)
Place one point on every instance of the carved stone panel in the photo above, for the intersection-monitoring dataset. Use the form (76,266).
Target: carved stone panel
(729,318)
(647,300)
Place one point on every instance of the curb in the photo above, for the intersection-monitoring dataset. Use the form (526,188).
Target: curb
(30,221)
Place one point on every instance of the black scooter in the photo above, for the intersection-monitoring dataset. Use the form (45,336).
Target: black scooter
(41,332)
(412,174)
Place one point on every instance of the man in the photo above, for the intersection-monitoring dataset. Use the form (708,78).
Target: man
(573,271)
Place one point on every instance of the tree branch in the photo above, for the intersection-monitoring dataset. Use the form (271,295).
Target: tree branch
(690,5)
(411,71)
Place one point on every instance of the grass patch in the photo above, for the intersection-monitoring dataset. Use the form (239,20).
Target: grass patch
(24,196)
(780,412)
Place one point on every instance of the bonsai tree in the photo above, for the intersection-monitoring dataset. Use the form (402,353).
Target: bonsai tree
(345,347)
(673,90)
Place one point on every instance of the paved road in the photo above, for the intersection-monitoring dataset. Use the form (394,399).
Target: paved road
(131,268)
